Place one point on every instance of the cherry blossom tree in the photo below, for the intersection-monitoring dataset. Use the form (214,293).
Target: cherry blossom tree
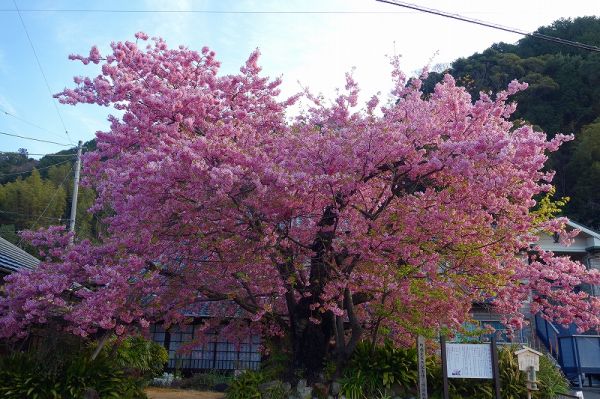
(344,223)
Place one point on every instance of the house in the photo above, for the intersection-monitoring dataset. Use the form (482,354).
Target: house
(216,353)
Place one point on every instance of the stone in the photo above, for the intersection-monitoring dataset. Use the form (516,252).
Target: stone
(335,388)
(320,390)
(301,383)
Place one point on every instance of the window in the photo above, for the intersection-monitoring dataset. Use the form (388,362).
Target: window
(215,354)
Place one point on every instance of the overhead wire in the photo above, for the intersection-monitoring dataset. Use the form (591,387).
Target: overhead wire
(138,11)
(28,122)
(31,170)
(34,139)
(42,72)
(28,216)
(36,154)
(492,25)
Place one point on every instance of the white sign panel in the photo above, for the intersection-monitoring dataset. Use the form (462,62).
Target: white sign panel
(469,361)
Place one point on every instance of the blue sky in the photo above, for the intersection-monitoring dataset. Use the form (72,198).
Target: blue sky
(314,49)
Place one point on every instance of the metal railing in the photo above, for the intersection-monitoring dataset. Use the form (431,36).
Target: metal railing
(576,354)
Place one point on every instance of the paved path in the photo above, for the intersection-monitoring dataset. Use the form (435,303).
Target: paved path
(167,393)
(591,393)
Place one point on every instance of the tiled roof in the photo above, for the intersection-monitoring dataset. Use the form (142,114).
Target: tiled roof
(13,258)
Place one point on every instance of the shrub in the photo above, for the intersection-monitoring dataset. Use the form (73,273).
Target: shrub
(551,379)
(245,386)
(276,390)
(372,370)
(24,375)
(138,356)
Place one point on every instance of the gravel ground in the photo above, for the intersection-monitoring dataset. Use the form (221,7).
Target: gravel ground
(167,393)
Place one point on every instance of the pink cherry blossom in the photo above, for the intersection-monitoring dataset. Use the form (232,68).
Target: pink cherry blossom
(344,223)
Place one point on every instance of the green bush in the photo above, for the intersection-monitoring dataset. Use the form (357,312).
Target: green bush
(551,379)
(24,375)
(372,370)
(245,386)
(277,390)
(138,356)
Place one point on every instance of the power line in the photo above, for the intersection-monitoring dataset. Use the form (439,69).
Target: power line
(137,11)
(32,153)
(42,72)
(492,25)
(34,139)
(29,171)
(28,122)
(49,203)
(29,216)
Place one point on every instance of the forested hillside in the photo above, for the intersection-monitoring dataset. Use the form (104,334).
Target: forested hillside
(38,193)
(563,97)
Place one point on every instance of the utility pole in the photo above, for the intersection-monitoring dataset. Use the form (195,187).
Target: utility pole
(75,191)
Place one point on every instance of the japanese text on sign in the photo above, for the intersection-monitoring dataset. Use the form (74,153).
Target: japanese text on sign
(469,361)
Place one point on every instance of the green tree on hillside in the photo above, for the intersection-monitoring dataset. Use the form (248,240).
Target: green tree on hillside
(563,97)
(32,202)
(585,164)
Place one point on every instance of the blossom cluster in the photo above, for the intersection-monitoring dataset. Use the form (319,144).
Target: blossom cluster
(398,215)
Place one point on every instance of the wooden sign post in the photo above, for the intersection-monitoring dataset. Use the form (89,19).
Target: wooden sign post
(421,364)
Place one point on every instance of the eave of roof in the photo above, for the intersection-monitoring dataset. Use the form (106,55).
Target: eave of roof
(13,258)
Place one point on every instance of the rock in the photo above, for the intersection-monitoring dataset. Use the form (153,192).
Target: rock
(305,393)
(320,390)
(301,384)
(335,388)
(237,373)
(302,390)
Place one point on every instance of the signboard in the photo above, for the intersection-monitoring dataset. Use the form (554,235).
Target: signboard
(469,361)
(421,357)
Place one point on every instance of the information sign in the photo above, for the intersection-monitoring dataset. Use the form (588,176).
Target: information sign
(469,361)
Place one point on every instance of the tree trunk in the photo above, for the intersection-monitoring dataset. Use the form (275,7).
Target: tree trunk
(314,335)
(310,342)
